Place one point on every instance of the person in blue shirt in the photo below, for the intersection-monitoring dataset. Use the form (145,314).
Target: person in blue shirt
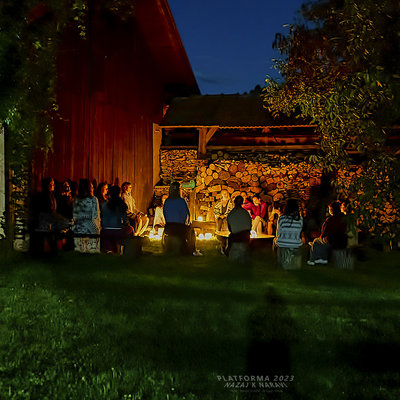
(177,219)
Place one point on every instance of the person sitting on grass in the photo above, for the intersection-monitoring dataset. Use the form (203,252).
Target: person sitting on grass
(221,210)
(177,218)
(333,236)
(115,222)
(290,225)
(239,224)
(138,220)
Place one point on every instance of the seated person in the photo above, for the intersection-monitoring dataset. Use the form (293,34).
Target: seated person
(333,236)
(138,220)
(274,214)
(221,210)
(86,213)
(102,193)
(247,203)
(177,218)
(258,211)
(290,225)
(159,220)
(239,224)
(114,222)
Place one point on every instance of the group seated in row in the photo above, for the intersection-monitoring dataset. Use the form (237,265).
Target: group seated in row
(85,217)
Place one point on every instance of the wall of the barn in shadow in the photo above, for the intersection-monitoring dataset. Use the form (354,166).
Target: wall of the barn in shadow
(110,94)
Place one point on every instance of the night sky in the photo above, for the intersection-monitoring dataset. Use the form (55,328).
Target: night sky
(229,42)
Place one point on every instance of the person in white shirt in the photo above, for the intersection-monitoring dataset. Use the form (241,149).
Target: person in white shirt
(137,219)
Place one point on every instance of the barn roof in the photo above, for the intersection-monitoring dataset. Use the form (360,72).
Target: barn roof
(228,111)
(155,20)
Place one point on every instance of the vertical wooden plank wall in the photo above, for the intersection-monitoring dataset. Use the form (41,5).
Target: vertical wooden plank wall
(107,111)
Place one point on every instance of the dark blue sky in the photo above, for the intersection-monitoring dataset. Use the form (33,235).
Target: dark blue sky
(229,42)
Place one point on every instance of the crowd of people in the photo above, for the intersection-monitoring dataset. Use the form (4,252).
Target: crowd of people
(85,219)
(91,219)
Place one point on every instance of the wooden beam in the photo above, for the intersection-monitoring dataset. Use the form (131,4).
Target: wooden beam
(204,137)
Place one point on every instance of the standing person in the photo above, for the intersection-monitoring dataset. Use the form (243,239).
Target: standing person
(258,211)
(159,219)
(102,194)
(114,222)
(239,224)
(221,210)
(137,219)
(290,225)
(333,235)
(177,219)
(86,213)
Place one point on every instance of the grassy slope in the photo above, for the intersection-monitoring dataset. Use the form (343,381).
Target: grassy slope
(101,327)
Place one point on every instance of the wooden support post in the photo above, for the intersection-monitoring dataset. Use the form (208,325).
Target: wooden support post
(205,136)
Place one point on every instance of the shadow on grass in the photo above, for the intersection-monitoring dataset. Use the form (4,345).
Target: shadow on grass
(272,333)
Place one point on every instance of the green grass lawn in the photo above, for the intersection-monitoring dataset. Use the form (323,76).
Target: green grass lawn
(105,327)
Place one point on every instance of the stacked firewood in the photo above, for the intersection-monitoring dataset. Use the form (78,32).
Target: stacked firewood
(273,184)
(179,165)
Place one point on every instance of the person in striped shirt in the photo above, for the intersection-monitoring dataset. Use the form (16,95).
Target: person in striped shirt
(290,226)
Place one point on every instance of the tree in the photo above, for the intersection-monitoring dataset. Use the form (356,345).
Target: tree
(30,35)
(341,66)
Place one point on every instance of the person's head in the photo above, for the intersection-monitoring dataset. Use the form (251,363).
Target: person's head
(85,188)
(114,192)
(65,189)
(48,185)
(174,190)
(224,195)
(102,190)
(126,187)
(238,201)
(256,200)
(335,208)
(163,198)
(244,195)
(292,208)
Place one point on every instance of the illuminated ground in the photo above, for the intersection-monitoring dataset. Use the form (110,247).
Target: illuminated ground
(105,327)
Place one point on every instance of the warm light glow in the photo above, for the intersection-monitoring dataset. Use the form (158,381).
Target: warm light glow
(200,218)
(253,234)
(201,236)
(158,236)
(208,235)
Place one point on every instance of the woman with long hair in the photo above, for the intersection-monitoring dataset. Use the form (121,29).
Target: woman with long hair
(288,236)
(290,225)
(86,214)
(102,193)
(115,222)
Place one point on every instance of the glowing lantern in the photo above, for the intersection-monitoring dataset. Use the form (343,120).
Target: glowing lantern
(208,235)
(253,234)
(201,236)
(200,218)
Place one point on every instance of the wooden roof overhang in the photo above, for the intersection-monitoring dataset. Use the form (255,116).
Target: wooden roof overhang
(207,132)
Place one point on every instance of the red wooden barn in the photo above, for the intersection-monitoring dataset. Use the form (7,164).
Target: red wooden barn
(112,88)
